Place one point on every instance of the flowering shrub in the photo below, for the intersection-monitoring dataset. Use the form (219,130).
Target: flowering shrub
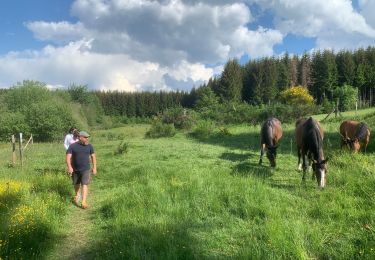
(27,219)
(296,96)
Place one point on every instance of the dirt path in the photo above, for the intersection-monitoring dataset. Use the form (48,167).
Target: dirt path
(76,239)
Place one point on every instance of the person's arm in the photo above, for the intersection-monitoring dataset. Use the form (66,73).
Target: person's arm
(69,163)
(66,142)
(93,160)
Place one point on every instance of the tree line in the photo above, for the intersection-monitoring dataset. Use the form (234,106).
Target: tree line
(260,81)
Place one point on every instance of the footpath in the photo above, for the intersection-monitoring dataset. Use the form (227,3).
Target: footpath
(76,239)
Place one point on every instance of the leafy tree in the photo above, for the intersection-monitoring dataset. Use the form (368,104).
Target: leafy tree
(36,110)
(21,96)
(12,123)
(80,94)
(347,96)
(48,120)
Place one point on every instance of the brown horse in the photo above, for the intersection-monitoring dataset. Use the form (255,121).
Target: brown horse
(309,138)
(270,135)
(355,135)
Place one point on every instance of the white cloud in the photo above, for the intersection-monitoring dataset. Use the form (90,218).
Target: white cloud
(75,64)
(367,10)
(58,32)
(335,23)
(140,44)
(169,31)
(171,44)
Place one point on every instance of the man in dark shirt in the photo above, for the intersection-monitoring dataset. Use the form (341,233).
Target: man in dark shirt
(78,161)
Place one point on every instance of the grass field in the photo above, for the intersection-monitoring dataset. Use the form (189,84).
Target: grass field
(186,197)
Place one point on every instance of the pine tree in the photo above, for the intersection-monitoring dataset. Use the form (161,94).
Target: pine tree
(293,71)
(283,77)
(269,87)
(304,71)
(230,86)
(345,68)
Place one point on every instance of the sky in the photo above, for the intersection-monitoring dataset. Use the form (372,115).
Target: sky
(153,45)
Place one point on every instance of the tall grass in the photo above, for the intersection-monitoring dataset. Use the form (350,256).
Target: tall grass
(191,197)
(33,202)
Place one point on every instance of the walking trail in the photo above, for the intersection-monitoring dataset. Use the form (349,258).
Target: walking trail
(76,241)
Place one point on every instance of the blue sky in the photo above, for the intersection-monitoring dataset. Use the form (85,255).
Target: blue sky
(135,45)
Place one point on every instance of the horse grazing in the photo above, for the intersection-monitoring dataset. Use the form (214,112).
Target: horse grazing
(270,135)
(355,135)
(309,138)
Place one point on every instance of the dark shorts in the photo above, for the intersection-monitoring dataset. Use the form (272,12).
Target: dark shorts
(81,177)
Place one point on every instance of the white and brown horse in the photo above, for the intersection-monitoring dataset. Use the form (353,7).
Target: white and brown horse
(309,138)
(355,135)
(270,135)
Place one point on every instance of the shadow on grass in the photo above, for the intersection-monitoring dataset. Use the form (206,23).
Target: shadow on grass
(50,170)
(249,141)
(235,157)
(133,241)
(252,169)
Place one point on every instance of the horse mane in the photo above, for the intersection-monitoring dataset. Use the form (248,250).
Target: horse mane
(302,119)
(361,131)
(312,126)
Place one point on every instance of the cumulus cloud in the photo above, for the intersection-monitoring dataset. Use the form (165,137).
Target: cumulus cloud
(141,44)
(168,31)
(74,63)
(367,10)
(176,44)
(58,32)
(335,24)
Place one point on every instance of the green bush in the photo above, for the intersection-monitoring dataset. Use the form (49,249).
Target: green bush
(48,120)
(287,113)
(230,113)
(180,117)
(122,148)
(23,95)
(31,108)
(160,129)
(327,106)
(12,124)
(347,96)
(204,129)
(238,113)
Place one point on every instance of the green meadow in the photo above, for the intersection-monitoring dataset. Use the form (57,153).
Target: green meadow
(189,197)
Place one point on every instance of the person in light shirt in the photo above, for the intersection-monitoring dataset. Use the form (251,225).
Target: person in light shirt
(71,137)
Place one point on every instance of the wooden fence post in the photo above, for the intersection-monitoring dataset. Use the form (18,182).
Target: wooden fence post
(13,150)
(291,146)
(356,107)
(21,152)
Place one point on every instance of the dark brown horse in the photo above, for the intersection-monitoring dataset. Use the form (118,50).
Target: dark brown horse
(355,135)
(309,138)
(270,135)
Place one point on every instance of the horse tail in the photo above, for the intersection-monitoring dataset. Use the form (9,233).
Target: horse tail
(267,133)
(361,131)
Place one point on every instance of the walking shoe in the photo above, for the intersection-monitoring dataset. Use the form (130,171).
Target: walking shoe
(84,205)
(75,201)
